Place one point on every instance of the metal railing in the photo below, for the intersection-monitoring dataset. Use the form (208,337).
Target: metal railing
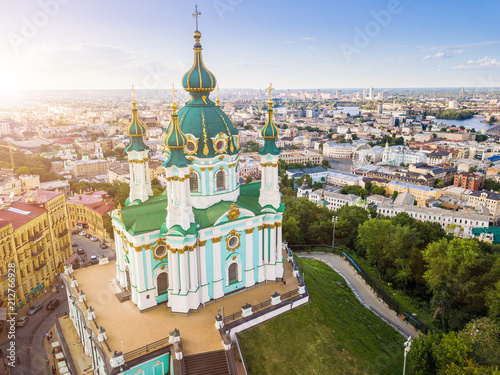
(261,306)
(139,352)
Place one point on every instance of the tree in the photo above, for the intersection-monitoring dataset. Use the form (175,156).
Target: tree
(394,195)
(439,184)
(354,189)
(482,338)
(377,190)
(348,220)
(248,179)
(449,268)
(368,186)
(291,231)
(493,301)
(325,163)
(23,170)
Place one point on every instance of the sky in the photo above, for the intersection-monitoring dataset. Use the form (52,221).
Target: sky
(295,44)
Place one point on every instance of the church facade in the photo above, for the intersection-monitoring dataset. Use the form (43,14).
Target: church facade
(206,235)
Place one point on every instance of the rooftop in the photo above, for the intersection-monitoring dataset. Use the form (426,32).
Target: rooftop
(20,213)
(123,322)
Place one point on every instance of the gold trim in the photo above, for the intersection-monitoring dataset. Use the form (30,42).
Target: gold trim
(221,168)
(248,231)
(203,169)
(216,239)
(163,257)
(204,98)
(221,157)
(203,243)
(194,140)
(205,148)
(234,213)
(278,225)
(220,137)
(210,168)
(260,227)
(228,132)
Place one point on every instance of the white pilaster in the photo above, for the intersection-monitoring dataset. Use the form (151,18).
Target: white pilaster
(203,272)
(249,277)
(184,272)
(218,290)
(261,256)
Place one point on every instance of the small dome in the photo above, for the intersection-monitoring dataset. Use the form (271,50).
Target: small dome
(136,129)
(175,138)
(198,78)
(270,130)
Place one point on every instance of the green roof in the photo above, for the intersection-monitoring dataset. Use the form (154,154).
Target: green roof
(198,78)
(494,230)
(151,215)
(136,131)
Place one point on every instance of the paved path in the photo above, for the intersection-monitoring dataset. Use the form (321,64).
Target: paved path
(364,293)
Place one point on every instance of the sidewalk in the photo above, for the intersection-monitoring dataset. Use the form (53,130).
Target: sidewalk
(364,293)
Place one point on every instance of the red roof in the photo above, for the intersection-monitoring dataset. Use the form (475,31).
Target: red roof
(20,213)
(42,196)
(95,200)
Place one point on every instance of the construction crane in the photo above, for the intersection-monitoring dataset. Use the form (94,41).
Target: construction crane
(11,153)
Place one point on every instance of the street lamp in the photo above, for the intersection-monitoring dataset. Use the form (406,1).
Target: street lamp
(334,220)
(407,349)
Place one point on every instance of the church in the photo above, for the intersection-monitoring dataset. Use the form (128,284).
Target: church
(207,235)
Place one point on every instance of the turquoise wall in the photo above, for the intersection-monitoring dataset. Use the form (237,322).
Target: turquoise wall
(209,255)
(156,366)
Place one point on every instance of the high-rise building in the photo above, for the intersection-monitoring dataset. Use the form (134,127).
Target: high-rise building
(339,94)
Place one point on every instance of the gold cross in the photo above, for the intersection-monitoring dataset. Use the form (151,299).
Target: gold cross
(271,89)
(133,92)
(173,91)
(196,14)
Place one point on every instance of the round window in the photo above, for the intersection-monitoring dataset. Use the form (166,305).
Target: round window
(233,242)
(161,251)
(190,147)
(220,145)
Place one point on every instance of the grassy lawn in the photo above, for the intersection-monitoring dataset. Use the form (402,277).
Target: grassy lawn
(333,334)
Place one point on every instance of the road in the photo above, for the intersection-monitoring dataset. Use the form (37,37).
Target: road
(30,339)
(90,247)
(364,293)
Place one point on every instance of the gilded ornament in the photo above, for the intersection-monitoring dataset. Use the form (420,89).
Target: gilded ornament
(233,213)
(248,231)
(216,239)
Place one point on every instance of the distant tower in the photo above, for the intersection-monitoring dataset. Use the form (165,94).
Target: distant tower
(462,93)
(339,94)
(98,151)
(371,93)
(137,152)
(269,191)
(364,94)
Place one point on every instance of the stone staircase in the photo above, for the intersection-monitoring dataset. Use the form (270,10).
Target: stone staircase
(210,363)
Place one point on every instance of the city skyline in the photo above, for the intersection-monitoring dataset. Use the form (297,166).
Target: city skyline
(71,45)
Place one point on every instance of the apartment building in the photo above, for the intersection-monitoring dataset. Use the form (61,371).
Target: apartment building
(34,237)
(468,180)
(90,210)
(90,168)
(302,157)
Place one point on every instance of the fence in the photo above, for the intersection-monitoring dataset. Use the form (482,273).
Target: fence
(146,349)
(261,306)
(388,300)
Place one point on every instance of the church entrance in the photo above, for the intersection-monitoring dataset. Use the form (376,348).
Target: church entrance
(127,275)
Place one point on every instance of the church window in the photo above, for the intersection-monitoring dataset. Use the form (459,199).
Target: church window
(233,273)
(220,145)
(233,242)
(162,282)
(191,147)
(220,178)
(160,251)
(193,182)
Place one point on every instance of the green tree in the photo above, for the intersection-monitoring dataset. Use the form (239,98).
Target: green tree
(291,231)
(377,190)
(248,179)
(349,218)
(449,268)
(482,338)
(325,163)
(354,189)
(23,170)
(493,301)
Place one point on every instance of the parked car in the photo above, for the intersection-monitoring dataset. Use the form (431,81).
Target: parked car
(103,246)
(52,305)
(35,309)
(80,251)
(94,239)
(88,235)
(74,244)
(82,233)
(22,321)
(94,260)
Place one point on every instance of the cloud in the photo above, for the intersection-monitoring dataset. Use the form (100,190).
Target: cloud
(484,63)
(290,41)
(307,38)
(439,55)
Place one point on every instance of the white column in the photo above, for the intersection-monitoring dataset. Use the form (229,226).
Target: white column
(192,271)
(249,277)
(266,245)
(272,256)
(175,271)
(203,272)
(170,271)
(218,291)
(260,249)
(279,243)
(184,273)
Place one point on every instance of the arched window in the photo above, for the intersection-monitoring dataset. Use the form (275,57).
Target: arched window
(193,182)
(162,283)
(220,180)
(233,273)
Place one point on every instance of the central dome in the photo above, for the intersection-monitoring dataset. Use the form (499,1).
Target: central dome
(208,129)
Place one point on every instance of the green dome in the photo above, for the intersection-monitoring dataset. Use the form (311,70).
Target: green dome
(136,131)
(175,138)
(212,128)
(269,132)
(198,79)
